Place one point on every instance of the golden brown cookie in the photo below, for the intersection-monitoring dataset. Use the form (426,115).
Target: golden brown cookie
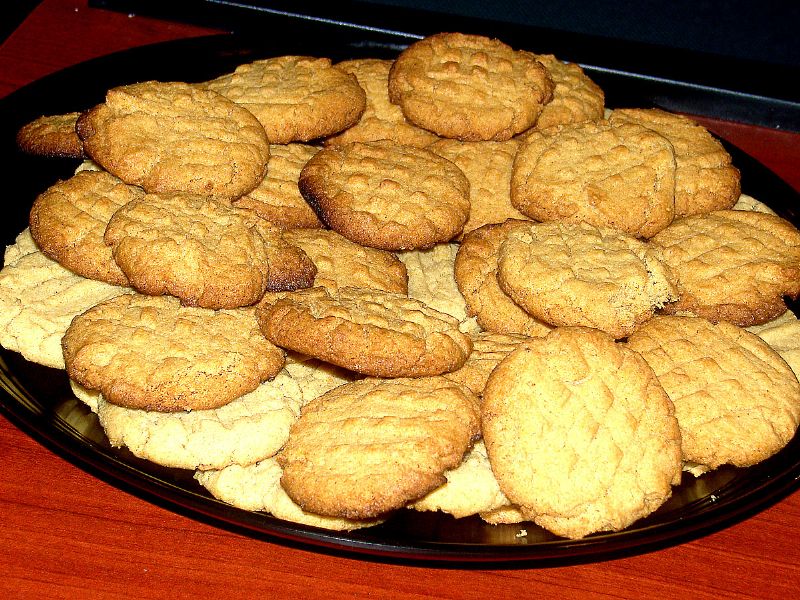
(386,195)
(488,349)
(342,263)
(580,434)
(469,87)
(381,120)
(371,446)
(69,219)
(175,137)
(277,198)
(736,400)
(289,267)
(296,98)
(487,166)
(579,274)
(732,265)
(51,135)
(368,331)
(576,98)
(191,247)
(617,175)
(149,352)
(705,179)
(476,275)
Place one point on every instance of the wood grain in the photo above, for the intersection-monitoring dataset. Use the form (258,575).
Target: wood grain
(67,534)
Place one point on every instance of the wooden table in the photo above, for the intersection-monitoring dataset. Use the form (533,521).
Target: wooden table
(64,533)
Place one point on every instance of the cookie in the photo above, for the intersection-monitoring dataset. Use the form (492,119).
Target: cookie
(368,331)
(371,446)
(248,429)
(381,120)
(736,400)
(475,271)
(69,219)
(471,488)
(170,137)
(258,487)
(746,202)
(52,136)
(277,198)
(151,353)
(191,247)
(38,300)
(705,178)
(295,98)
(342,263)
(576,98)
(579,274)
(618,175)
(488,349)
(732,265)
(431,279)
(469,87)
(580,434)
(487,166)
(386,195)
(289,267)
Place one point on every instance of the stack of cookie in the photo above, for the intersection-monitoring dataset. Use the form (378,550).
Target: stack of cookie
(451,281)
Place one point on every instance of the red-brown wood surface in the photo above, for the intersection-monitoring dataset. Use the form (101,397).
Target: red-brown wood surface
(64,533)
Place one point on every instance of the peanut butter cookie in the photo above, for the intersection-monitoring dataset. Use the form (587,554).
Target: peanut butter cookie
(431,279)
(580,434)
(367,331)
(736,400)
(149,352)
(52,136)
(296,98)
(386,195)
(172,137)
(617,175)
(732,265)
(705,179)
(488,349)
(371,446)
(579,274)
(469,87)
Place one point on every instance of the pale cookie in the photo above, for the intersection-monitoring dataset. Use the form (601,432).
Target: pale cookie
(191,247)
(488,349)
(475,272)
(258,487)
(503,515)
(176,137)
(487,166)
(342,263)
(469,87)
(371,446)
(368,331)
(617,175)
(296,98)
(69,219)
(746,202)
(38,300)
(736,400)
(580,434)
(732,265)
(576,98)
(52,136)
(783,336)
(431,280)
(381,120)
(386,195)
(579,274)
(248,429)
(471,488)
(22,246)
(705,179)
(277,198)
(149,352)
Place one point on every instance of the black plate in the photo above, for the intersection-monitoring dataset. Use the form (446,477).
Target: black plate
(39,400)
